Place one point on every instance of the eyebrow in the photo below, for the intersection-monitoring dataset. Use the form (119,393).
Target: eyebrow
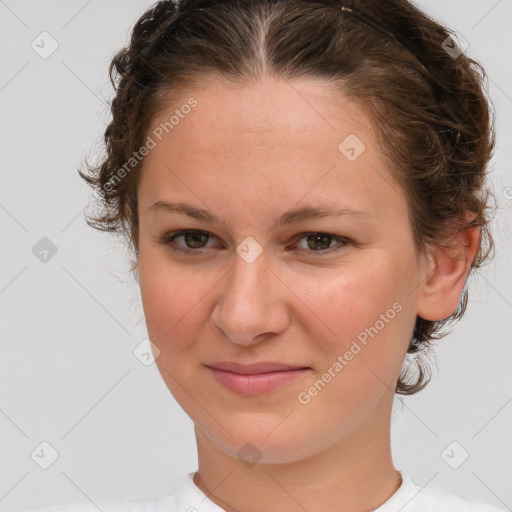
(289,217)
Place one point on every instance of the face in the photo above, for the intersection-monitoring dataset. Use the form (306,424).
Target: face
(335,295)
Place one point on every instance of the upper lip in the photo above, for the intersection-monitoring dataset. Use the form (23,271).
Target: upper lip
(248,369)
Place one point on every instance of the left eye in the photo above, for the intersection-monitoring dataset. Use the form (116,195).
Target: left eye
(196,240)
(320,242)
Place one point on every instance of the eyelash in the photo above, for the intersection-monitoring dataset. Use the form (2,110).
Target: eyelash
(169,237)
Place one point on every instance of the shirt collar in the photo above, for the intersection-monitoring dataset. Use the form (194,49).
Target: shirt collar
(401,497)
(189,498)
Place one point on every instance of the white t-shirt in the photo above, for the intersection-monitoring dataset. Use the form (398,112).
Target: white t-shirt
(189,498)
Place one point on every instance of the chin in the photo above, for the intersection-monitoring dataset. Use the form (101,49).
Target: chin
(261,438)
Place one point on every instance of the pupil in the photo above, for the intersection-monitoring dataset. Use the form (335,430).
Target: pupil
(195,238)
(320,237)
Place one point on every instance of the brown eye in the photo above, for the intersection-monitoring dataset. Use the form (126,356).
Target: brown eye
(321,243)
(194,241)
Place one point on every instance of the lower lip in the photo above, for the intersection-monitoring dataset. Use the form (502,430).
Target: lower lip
(256,384)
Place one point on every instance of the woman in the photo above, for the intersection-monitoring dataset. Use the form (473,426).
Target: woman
(302,185)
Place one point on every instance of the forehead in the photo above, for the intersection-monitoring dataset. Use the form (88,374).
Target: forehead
(289,138)
(299,110)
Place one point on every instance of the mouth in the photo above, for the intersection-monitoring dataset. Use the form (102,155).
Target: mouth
(257,378)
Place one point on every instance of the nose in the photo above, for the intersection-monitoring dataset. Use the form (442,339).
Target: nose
(252,302)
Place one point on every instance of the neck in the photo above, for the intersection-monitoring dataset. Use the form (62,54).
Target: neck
(354,474)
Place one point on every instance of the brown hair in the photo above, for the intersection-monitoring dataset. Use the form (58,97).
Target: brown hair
(426,97)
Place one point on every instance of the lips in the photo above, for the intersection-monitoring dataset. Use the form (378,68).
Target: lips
(256,378)
(254,368)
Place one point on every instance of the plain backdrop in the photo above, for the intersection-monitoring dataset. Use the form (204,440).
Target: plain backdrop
(69,325)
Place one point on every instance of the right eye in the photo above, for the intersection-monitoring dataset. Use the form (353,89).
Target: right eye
(194,240)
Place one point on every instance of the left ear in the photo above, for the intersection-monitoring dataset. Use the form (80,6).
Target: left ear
(449,268)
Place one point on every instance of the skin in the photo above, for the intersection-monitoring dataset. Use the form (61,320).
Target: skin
(248,154)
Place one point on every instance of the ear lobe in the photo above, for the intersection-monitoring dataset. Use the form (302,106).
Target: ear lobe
(441,291)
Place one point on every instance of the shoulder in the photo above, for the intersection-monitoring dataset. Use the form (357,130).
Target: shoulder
(434,500)
(430,499)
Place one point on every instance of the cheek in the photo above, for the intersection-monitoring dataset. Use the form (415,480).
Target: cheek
(177,303)
(367,315)
(168,295)
(351,299)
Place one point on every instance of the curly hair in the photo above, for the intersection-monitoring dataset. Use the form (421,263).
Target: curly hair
(426,97)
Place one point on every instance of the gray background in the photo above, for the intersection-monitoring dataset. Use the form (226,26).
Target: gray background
(69,326)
